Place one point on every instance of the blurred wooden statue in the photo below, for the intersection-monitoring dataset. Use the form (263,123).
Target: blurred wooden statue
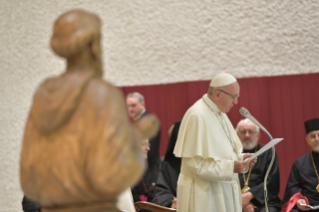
(79,149)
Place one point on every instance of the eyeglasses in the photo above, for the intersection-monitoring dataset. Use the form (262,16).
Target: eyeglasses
(250,132)
(313,135)
(232,96)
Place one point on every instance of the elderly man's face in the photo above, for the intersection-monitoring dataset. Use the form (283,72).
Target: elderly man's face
(145,147)
(313,140)
(227,96)
(134,107)
(248,135)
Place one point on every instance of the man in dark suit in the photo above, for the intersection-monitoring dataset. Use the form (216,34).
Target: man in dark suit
(136,109)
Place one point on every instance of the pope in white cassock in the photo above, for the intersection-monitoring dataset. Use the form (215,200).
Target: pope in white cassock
(211,152)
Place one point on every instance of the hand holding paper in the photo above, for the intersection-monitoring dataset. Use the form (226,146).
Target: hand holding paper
(309,206)
(265,148)
(251,162)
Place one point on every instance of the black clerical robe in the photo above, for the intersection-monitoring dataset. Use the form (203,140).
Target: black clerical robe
(167,180)
(153,156)
(302,182)
(144,187)
(256,181)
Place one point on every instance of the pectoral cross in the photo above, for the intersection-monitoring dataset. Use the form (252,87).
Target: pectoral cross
(247,188)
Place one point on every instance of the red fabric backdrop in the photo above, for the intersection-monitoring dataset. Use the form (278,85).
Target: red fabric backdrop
(281,104)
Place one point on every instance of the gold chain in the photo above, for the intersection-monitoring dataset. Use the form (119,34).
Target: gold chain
(246,188)
(313,162)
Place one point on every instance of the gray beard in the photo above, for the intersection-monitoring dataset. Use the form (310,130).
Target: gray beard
(250,145)
(316,148)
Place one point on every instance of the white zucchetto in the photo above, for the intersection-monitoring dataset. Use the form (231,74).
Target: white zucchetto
(222,79)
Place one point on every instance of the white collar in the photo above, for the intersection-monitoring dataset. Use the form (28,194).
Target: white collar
(211,104)
(140,115)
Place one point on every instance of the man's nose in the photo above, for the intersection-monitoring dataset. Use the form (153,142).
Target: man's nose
(236,101)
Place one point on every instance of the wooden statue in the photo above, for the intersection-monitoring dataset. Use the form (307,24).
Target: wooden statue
(79,149)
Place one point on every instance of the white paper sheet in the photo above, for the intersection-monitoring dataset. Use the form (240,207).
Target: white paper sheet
(265,148)
(311,207)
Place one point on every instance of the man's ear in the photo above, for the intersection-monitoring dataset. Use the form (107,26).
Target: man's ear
(217,93)
(308,141)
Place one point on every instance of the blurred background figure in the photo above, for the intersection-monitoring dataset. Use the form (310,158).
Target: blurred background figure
(166,185)
(143,190)
(136,109)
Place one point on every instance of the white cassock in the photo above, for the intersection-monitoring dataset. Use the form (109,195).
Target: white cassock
(207,181)
(125,201)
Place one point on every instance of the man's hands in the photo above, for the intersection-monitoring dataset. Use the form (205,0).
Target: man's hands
(246,204)
(253,161)
(174,203)
(246,198)
(240,166)
(302,207)
(249,208)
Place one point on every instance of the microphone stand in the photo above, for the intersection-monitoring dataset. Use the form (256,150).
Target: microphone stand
(269,168)
(251,118)
(266,177)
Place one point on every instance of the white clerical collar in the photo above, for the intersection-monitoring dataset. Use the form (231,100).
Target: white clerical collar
(140,115)
(211,104)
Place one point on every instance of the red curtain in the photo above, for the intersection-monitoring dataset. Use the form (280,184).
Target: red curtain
(281,104)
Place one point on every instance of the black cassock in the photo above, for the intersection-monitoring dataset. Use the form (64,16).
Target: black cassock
(256,181)
(153,157)
(303,179)
(167,180)
(143,187)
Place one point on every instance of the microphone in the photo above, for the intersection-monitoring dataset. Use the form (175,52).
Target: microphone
(243,111)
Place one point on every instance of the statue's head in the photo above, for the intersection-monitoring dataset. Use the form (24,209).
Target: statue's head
(74,32)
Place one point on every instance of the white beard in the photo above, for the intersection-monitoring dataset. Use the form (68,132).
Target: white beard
(251,145)
(315,148)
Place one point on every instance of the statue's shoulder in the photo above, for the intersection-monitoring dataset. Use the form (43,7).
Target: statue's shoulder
(102,87)
(101,90)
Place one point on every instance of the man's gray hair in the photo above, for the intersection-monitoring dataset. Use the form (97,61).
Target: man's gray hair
(246,121)
(211,90)
(136,95)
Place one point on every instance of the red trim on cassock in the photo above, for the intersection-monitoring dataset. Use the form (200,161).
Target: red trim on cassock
(292,202)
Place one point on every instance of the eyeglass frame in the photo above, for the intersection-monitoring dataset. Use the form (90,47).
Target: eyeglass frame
(232,96)
(250,132)
(312,135)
